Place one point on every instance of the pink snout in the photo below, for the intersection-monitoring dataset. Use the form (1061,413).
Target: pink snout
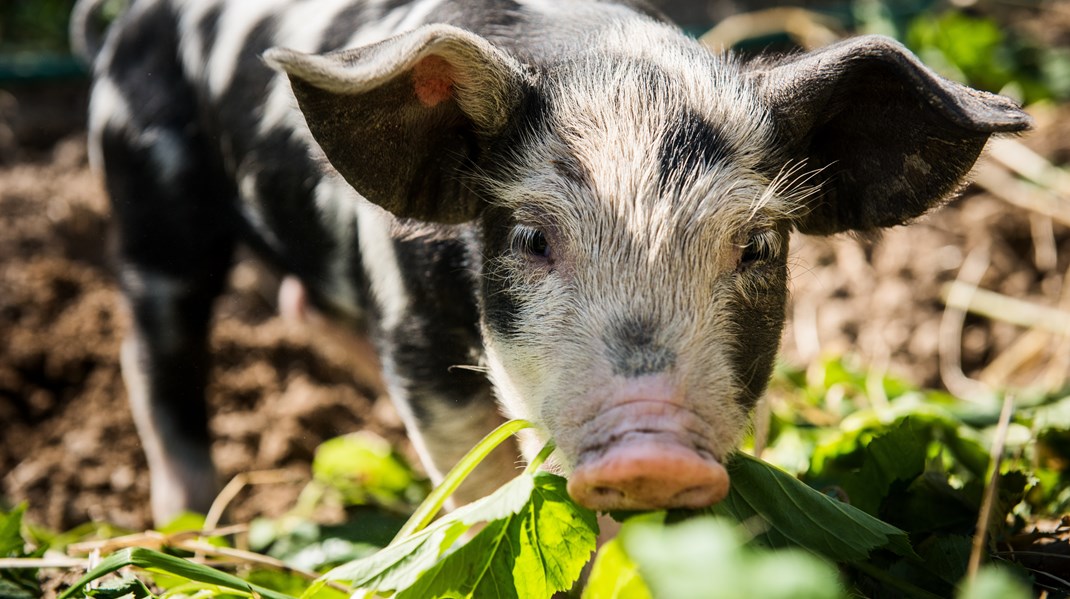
(644,475)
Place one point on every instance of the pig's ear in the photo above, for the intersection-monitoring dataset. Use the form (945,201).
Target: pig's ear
(894,139)
(404,120)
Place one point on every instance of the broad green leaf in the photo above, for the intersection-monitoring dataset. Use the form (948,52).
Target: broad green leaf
(11,542)
(994,583)
(792,574)
(535,552)
(706,559)
(898,454)
(147,558)
(400,564)
(783,511)
(17,582)
(946,556)
(932,504)
(362,466)
(615,576)
(557,537)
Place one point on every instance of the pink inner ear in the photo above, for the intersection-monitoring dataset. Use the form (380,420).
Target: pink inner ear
(433,81)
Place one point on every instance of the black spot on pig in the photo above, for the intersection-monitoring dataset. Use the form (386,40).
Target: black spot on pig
(690,147)
(440,329)
(208,28)
(633,351)
(501,303)
(343,26)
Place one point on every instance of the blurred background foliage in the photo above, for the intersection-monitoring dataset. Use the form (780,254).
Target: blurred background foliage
(34,25)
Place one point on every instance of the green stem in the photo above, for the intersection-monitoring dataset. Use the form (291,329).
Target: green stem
(540,457)
(434,502)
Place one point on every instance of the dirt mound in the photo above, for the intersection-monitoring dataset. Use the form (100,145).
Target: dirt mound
(881,299)
(69,444)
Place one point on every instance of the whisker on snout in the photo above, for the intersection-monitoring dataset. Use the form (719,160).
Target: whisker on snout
(472,367)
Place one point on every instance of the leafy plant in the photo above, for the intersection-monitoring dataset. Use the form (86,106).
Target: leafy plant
(17,584)
(979,51)
(882,503)
(704,558)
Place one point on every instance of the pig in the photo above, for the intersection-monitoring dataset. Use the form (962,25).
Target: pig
(567,212)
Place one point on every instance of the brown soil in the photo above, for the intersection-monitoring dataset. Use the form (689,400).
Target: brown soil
(68,442)
(69,447)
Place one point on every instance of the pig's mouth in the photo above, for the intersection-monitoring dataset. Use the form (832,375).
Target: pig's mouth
(648,474)
(646,470)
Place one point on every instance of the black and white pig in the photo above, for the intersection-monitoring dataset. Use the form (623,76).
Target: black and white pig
(568,212)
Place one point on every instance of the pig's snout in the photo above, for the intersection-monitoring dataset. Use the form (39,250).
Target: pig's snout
(645,475)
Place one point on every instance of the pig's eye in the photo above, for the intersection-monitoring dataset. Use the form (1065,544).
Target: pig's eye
(531,242)
(762,246)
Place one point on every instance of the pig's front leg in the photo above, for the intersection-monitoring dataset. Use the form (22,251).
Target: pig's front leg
(447,407)
(447,410)
(430,346)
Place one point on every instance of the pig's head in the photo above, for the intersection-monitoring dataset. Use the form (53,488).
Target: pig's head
(634,204)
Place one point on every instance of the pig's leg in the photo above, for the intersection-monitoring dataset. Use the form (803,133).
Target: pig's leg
(296,307)
(169,289)
(430,347)
(165,366)
(446,414)
(176,237)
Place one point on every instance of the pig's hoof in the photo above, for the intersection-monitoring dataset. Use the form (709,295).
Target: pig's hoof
(293,300)
(648,476)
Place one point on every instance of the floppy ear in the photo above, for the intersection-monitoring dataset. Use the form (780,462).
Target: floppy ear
(893,138)
(404,120)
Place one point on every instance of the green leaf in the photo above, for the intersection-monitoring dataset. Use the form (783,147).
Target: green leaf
(126,587)
(10,590)
(1052,415)
(362,466)
(994,583)
(615,576)
(437,498)
(400,564)
(946,556)
(931,504)
(782,511)
(895,455)
(705,558)
(11,542)
(535,543)
(147,558)
(183,522)
(17,582)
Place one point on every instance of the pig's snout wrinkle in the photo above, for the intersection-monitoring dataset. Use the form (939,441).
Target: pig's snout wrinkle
(649,475)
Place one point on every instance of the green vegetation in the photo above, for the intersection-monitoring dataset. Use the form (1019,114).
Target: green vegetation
(978,51)
(883,500)
(34,25)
